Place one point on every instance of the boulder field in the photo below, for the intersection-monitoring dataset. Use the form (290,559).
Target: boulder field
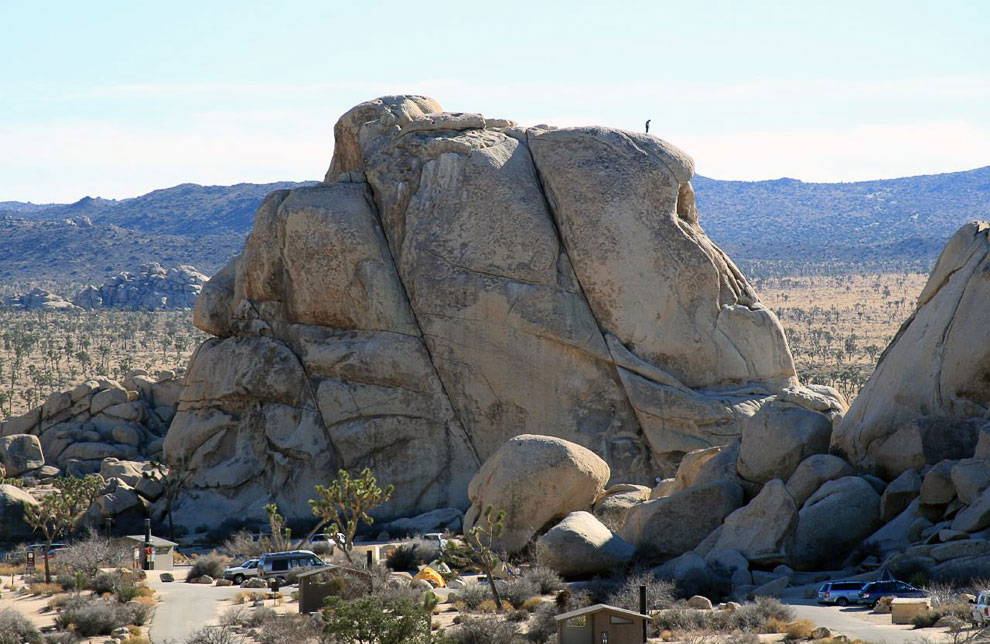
(458,280)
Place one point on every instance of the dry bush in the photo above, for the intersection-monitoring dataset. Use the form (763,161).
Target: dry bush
(242,544)
(799,629)
(411,554)
(212,564)
(17,629)
(88,617)
(287,629)
(489,607)
(546,579)
(44,589)
(532,604)
(89,555)
(484,630)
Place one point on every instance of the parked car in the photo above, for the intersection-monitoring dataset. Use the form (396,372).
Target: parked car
(980,610)
(437,538)
(237,574)
(284,566)
(840,593)
(873,591)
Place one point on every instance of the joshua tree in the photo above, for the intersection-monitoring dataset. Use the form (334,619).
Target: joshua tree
(345,503)
(480,538)
(58,513)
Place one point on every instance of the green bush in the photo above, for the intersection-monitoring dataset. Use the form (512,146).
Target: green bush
(17,629)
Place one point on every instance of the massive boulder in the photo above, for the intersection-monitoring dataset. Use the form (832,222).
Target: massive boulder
(836,518)
(580,545)
(930,392)
(763,528)
(13,501)
(534,480)
(456,281)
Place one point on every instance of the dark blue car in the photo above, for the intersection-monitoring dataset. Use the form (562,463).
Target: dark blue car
(873,591)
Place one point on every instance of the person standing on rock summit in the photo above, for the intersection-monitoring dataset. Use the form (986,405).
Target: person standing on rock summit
(648,125)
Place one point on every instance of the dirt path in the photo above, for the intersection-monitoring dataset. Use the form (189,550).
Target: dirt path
(185,608)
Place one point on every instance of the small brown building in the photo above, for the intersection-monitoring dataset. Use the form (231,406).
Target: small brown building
(601,624)
(317,584)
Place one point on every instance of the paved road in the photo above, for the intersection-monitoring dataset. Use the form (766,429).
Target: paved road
(851,623)
(184,608)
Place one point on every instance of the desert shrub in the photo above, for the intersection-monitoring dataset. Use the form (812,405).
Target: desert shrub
(542,627)
(625,593)
(926,619)
(752,617)
(799,629)
(546,579)
(212,564)
(242,544)
(287,629)
(90,617)
(61,637)
(484,630)
(140,612)
(17,629)
(518,615)
(213,635)
(412,554)
(518,590)
(531,604)
(473,594)
(764,615)
(259,616)
(369,619)
(44,589)
(322,548)
(89,555)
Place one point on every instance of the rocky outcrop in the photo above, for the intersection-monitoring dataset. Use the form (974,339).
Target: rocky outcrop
(152,288)
(837,517)
(13,525)
(930,392)
(38,300)
(456,281)
(534,480)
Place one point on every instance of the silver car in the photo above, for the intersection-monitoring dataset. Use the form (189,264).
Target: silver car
(840,593)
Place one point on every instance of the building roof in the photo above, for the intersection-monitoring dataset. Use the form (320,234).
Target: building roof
(600,607)
(157,542)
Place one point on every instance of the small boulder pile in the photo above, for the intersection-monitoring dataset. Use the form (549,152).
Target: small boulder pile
(37,300)
(75,430)
(152,288)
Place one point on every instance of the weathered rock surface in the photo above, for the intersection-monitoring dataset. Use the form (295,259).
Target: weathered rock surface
(581,545)
(13,500)
(456,281)
(833,520)
(677,523)
(930,391)
(152,288)
(763,527)
(777,438)
(535,480)
(899,495)
(813,472)
(20,453)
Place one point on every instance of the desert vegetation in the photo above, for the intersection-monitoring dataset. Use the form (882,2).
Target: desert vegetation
(838,325)
(42,352)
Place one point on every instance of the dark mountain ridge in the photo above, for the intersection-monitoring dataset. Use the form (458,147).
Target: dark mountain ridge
(782,226)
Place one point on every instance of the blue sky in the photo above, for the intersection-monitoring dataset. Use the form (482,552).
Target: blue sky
(118,98)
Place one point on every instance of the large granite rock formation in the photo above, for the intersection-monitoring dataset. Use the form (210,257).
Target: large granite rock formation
(37,300)
(152,288)
(457,281)
(930,392)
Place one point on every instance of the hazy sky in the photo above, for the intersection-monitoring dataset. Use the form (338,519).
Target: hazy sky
(117,98)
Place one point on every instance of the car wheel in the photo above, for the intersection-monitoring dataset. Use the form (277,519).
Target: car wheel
(842,601)
(238,580)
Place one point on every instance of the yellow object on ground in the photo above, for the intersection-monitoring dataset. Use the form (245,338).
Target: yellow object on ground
(432,576)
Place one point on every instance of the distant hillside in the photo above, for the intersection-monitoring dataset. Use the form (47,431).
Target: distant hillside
(787,224)
(186,209)
(63,255)
(768,227)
